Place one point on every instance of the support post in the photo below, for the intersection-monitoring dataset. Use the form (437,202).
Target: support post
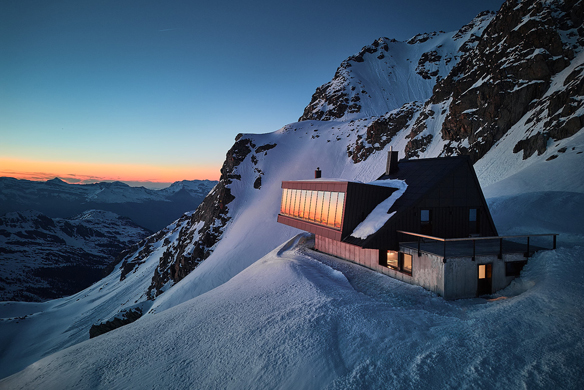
(500,248)
(474,250)
(527,253)
(419,251)
(445,251)
(555,235)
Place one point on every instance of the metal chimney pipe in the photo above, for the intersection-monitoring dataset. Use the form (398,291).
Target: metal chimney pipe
(391,166)
(317,173)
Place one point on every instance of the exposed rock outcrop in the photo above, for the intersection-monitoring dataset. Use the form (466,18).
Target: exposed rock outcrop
(198,232)
(494,85)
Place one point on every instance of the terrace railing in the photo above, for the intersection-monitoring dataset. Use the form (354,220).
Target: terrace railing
(509,241)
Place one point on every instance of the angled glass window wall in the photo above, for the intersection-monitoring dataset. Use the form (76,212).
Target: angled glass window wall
(322,207)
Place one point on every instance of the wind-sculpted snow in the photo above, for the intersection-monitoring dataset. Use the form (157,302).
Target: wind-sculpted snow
(300,319)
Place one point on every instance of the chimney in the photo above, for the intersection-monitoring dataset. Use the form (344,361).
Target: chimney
(391,166)
(317,173)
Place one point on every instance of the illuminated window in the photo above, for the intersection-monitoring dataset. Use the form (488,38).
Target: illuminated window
(312,209)
(301,211)
(398,261)
(333,208)
(283,205)
(319,201)
(392,259)
(323,207)
(485,271)
(407,263)
(340,207)
(326,204)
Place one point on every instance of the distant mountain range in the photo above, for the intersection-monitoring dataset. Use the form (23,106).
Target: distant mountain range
(152,209)
(45,258)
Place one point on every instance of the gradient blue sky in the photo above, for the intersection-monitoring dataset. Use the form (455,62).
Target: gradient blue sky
(169,84)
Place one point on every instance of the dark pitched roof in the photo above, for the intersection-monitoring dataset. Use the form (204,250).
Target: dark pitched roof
(421,176)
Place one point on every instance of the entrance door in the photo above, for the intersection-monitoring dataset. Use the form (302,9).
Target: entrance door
(484,282)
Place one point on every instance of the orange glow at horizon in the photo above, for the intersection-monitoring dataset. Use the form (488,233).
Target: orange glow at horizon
(44,170)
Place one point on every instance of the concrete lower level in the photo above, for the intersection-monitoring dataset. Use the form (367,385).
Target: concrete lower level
(454,278)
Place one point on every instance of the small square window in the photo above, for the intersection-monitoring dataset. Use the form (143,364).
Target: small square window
(425,215)
(472,215)
(392,259)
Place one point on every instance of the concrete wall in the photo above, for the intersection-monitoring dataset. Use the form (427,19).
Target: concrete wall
(366,257)
(427,270)
(461,275)
(455,279)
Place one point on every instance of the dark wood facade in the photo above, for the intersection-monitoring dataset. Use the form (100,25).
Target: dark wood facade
(443,199)
(449,203)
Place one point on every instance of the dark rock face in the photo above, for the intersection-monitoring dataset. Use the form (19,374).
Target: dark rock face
(125,318)
(334,95)
(425,62)
(495,84)
(380,133)
(201,230)
(265,148)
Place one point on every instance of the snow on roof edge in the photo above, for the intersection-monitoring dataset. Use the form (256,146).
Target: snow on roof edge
(380,214)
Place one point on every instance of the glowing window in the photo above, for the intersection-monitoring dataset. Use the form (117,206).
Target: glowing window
(326,204)
(339,213)
(407,263)
(392,259)
(482,271)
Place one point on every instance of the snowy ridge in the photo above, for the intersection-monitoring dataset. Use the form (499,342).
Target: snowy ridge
(388,73)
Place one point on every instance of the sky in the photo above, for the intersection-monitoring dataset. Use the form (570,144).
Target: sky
(148,92)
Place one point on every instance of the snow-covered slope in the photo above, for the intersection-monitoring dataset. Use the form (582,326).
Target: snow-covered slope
(196,271)
(388,74)
(45,258)
(299,319)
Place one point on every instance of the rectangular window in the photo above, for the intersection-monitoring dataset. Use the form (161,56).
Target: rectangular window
(340,207)
(326,204)
(473,221)
(302,204)
(319,202)
(309,205)
(426,222)
(323,207)
(287,205)
(333,209)
(407,263)
(296,202)
(485,271)
(393,259)
(283,204)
